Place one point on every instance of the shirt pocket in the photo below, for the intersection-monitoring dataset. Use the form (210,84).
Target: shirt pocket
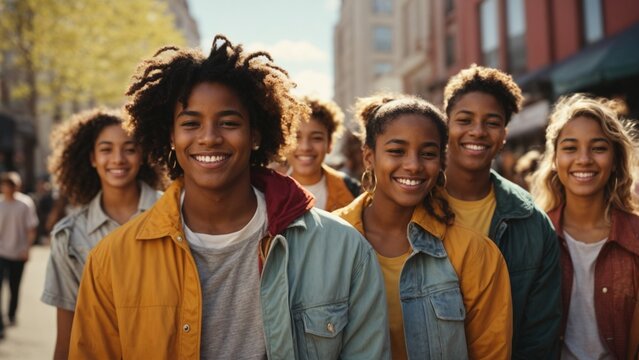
(319,331)
(450,313)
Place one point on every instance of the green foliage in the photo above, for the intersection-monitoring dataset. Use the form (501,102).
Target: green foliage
(82,51)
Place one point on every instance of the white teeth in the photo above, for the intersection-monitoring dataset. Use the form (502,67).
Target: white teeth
(305,158)
(409,182)
(117,171)
(583,175)
(209,159)
(475,147)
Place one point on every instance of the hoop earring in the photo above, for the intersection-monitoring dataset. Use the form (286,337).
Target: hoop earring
(369,182)
(441,179)
(172,164)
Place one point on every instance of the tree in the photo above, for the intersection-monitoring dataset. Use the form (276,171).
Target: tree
(59,56)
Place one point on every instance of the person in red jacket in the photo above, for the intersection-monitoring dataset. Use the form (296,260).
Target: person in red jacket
(585,184)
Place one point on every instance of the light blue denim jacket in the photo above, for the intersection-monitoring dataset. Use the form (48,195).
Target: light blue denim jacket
(454,290)
(326,295)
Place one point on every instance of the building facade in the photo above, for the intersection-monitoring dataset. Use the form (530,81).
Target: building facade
(364,44)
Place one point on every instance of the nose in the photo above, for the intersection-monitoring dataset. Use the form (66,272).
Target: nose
(584,156)
(210,135)
(303,143)
(119,156)
(413,163)
(478,129)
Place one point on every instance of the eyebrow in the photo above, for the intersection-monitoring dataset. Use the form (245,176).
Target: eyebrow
(468,112)
(404,142)
(221,113)
(106,142)
(591,140)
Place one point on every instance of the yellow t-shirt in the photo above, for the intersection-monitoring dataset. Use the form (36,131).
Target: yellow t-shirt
(475,214)
(391,269)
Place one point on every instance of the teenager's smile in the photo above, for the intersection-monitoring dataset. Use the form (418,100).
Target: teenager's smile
(213,139)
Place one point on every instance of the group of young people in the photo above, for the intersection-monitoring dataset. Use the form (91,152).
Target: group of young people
(439,257)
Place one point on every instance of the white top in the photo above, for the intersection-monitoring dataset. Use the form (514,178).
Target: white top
(259,223)
(582,340)
(320,192)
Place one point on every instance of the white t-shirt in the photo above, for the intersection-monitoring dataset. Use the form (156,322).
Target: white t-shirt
(582,340)
(257,223)
(320,192)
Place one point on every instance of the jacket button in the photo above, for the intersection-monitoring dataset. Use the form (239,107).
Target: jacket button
(604,290)
(186,328)
(179,238)
(330,328)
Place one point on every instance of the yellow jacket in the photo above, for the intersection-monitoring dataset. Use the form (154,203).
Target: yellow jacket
(339,194)
(482,277)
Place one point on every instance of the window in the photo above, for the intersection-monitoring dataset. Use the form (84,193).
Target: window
(516,22)
(383,39)
(593,21)
(382,68)
(489,33)
(382,6)
(450,50)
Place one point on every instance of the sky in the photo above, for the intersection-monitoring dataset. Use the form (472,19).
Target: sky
(297,33)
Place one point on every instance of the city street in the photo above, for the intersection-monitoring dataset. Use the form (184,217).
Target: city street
(33,337)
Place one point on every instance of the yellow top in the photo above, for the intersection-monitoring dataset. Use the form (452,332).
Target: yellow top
(475,214)
(391,269)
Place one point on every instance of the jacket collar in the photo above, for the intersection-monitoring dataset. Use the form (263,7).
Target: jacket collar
(421,222)
(623,227)
(286,202)
(96,216)
(513,202)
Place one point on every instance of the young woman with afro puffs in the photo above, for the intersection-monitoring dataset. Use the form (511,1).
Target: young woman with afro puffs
(100,169)
(232,261)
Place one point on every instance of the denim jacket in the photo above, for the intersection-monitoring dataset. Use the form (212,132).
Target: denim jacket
(321,291)
(454,290)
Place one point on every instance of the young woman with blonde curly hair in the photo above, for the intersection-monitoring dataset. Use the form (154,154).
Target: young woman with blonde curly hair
(98,166)
(585,184)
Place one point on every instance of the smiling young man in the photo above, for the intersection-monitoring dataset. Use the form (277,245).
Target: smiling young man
(479,103)
(332,189)
(232,262)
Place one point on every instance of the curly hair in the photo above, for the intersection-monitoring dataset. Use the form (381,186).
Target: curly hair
(171,74)
(548,190)
(70,163)
(377,112)
(327,113)
(485,80)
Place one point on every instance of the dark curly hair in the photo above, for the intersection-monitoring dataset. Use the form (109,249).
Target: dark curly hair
(170,75)
(375,113)
(327,113)
(70,163)
(485,80)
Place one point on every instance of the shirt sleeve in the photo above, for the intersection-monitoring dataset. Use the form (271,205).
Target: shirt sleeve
(63,273)
(366,336)
(485,284)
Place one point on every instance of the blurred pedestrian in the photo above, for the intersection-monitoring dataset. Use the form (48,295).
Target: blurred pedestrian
(44,204)
(479,103)
(232,261)
(103,171)
(447,287)
(18,224)
(332,189)
(585,183)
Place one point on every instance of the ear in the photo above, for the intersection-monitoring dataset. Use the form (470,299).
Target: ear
(505,136)
(172,138)
(330,145)
(368,155)
(92,158)
(256,138)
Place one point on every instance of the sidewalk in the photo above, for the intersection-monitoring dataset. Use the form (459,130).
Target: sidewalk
(33,337)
